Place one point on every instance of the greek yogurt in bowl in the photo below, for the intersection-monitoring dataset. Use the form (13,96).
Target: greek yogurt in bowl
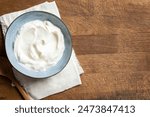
(38,44)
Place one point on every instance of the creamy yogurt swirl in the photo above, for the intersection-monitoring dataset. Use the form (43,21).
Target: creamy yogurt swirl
(39,45)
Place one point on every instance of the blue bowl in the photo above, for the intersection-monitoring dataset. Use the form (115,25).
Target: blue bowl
(11,36)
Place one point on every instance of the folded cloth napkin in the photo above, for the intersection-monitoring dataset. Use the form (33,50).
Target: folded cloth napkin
(67,78)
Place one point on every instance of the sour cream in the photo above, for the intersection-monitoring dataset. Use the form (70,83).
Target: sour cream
(39,45)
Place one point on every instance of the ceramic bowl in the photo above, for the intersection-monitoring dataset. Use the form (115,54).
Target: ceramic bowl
(11,36)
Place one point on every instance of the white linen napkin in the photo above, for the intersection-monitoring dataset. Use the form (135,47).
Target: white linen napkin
(67,78)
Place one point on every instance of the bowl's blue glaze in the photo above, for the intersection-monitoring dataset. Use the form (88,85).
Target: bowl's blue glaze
(12,32)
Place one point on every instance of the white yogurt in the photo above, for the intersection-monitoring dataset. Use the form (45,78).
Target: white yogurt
(39,45)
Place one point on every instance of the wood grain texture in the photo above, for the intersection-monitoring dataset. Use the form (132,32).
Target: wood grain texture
(112,42)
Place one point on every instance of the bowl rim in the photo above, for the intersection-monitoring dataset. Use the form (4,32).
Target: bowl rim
(42,73)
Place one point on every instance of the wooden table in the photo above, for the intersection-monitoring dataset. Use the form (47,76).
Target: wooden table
(112,42)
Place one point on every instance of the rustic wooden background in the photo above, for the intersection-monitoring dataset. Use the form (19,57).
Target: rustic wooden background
(112,42)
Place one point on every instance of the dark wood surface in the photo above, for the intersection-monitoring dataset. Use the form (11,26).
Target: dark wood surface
(112,42)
